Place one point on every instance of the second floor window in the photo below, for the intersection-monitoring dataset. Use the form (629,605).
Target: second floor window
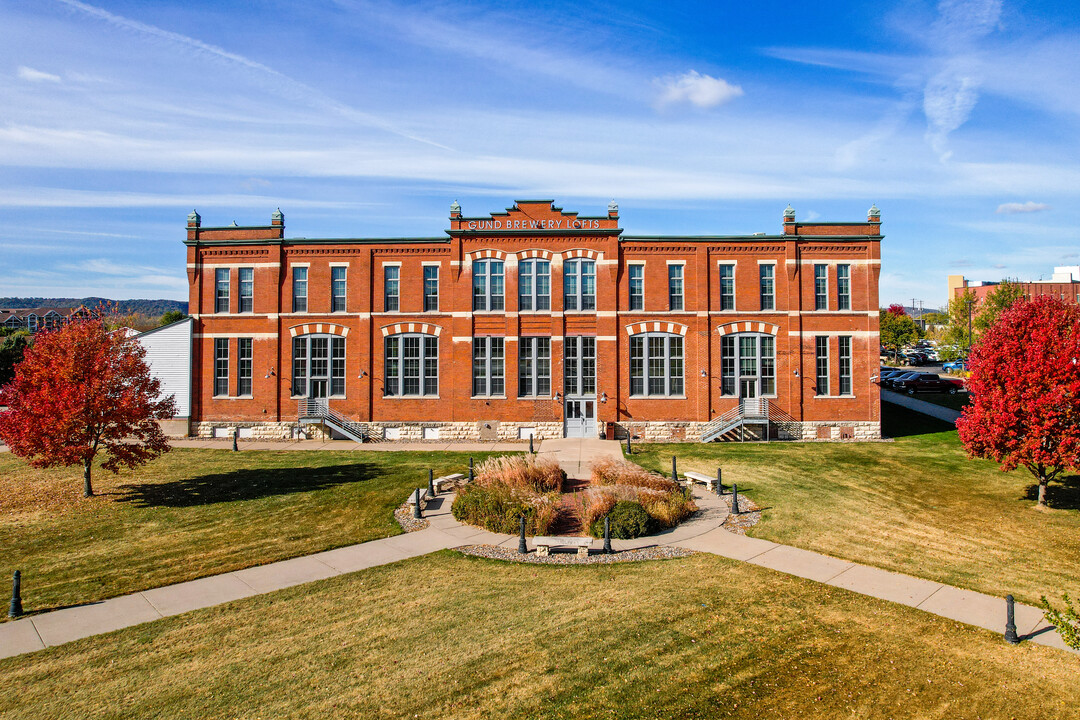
(488,289)
(727,287)
(534,285)
(768,289)
(247,290)
(821,287)
(221,290)
(299,289)
(675,287)
(243,366)
(534,366)
(843,287)
(337,289)
(637,287)
(489,366)
(431,288)
(391,288)
(579,285)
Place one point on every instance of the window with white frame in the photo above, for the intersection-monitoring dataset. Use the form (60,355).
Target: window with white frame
(579,285)
(488,285)
(727,287)
(318,366)
(391,288)
(489,366)
(843,287)
(747,357)
(431,288)
(821,353)
(412,365)
(767,277)
(637,287)
(579,366)
(337,288)
(534,366)
(243,366)
(221,290)
(534,285)
(299,289)
(821,287)
(221,367)
(247,290)
(844,361)
(656,364)
(675,287)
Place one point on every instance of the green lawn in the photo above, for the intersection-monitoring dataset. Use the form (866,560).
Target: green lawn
(446,636)
(193,513)
(916,505)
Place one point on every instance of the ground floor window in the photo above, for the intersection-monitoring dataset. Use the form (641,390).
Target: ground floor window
(656,364)
(221,367)
(412,365)
(243,366)
(747,365)
(845,365)
(318,366)
(489,366)
(534,366)
(579,366)
(821,348)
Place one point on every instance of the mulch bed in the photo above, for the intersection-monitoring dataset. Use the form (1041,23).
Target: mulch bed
(497,552)
(405,519)
(747,518)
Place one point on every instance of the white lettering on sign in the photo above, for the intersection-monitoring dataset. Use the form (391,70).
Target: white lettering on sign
(534,225)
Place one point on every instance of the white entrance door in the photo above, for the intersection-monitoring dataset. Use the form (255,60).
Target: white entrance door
(580,417)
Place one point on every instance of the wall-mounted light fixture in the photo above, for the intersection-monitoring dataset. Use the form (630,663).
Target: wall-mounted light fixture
(603,397)
(271,373)
(704,374)
(796,373)
(558,396)
(362,374)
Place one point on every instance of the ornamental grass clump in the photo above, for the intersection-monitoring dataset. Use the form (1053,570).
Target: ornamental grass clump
(508,487)
(617,481)
(608,471)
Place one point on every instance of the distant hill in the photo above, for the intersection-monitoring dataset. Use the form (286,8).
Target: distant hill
(151,308)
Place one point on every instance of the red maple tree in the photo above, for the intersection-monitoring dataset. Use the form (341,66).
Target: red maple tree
(896,309)
(1025,391)
(82,389)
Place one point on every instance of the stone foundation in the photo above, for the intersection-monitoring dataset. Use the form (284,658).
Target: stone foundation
(415,432)
(691,431)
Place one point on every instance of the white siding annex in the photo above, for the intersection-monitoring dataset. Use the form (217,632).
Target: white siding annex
(168,353)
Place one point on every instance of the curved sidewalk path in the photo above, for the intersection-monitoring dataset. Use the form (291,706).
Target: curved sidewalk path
(702,533)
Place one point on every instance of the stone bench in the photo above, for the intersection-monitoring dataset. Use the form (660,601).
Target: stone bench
(544,544)
(449,481)
(706,480)
(423,498)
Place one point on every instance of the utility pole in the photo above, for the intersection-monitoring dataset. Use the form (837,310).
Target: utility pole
(969,301)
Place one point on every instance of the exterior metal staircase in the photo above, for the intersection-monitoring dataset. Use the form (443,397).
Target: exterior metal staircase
(316,410)
(749,411)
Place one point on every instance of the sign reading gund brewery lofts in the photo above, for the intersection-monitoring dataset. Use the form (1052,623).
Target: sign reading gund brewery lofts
(534,215)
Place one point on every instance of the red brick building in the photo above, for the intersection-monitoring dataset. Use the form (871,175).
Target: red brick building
(1064,284)
(537,321)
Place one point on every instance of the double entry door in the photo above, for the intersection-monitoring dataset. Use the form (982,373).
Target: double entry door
(579,386)
(580,417)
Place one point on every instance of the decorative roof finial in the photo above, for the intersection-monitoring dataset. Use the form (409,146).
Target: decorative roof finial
(278,216)
(789,212)
(194,218)
(874,212)
(613,207)
(234,224)
(455,207)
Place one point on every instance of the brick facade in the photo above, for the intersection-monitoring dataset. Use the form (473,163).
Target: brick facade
(536,231)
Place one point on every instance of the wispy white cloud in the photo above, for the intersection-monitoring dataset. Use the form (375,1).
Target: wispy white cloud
(32,75)
(46,197)
(1026,207)
(703,91)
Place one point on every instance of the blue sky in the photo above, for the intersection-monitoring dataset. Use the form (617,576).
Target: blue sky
(958,118)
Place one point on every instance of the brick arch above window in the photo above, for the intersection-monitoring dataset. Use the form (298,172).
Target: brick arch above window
(654,327)
(318,329)
(583,253)
(422,328)
(529,254)
(747,326)
(481,254)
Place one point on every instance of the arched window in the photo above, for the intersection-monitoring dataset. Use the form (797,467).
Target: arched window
(579,285)
(656,364)
(318,366)
(747,365)
(488,290)
(412,365)
(534,285)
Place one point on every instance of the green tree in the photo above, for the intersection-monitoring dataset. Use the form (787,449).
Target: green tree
(997,301)
(11,354)
(956,332)
(897,329)
(170,317)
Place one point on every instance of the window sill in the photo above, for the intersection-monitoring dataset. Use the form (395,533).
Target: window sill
(834,397)
(410,397)
(487,397)
(233,397)
(657,397)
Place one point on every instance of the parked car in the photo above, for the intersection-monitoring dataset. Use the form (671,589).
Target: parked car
(888,374)
(900,378)
(915,358)
(955,366)
(928,382)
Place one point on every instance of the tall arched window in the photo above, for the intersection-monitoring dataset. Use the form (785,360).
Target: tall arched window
(747,365)
(412,365)
(656,364)
(318,366)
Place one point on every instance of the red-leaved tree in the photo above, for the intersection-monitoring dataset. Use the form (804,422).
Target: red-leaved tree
(1025,391)
(82,389)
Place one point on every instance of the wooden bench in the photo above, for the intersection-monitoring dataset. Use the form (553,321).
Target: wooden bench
(708,481)
(423,498)
(449,481)
(544,544)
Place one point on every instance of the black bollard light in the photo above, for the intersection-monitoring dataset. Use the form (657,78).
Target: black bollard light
(607,535)
(628,450)
(471,478)
(734,499)
(235,434)
(15,610)
(531,451)
(522,547)
(430,483)
(719,481)
(416,506)
(1010,622)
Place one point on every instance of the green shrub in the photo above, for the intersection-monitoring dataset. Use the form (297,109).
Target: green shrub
(628,520)
(497,507)
(1066,621)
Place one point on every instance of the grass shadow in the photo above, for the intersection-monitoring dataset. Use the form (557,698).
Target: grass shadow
(898,421)
(1063,494)
(244,484)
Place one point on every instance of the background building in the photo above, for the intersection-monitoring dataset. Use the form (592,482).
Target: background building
(536,321)
(1064,284)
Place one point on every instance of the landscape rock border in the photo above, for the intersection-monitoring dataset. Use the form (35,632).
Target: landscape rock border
(507,554)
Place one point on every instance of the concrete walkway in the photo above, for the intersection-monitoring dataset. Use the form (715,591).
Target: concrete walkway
(576,455)
(702,533)
(926,408)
